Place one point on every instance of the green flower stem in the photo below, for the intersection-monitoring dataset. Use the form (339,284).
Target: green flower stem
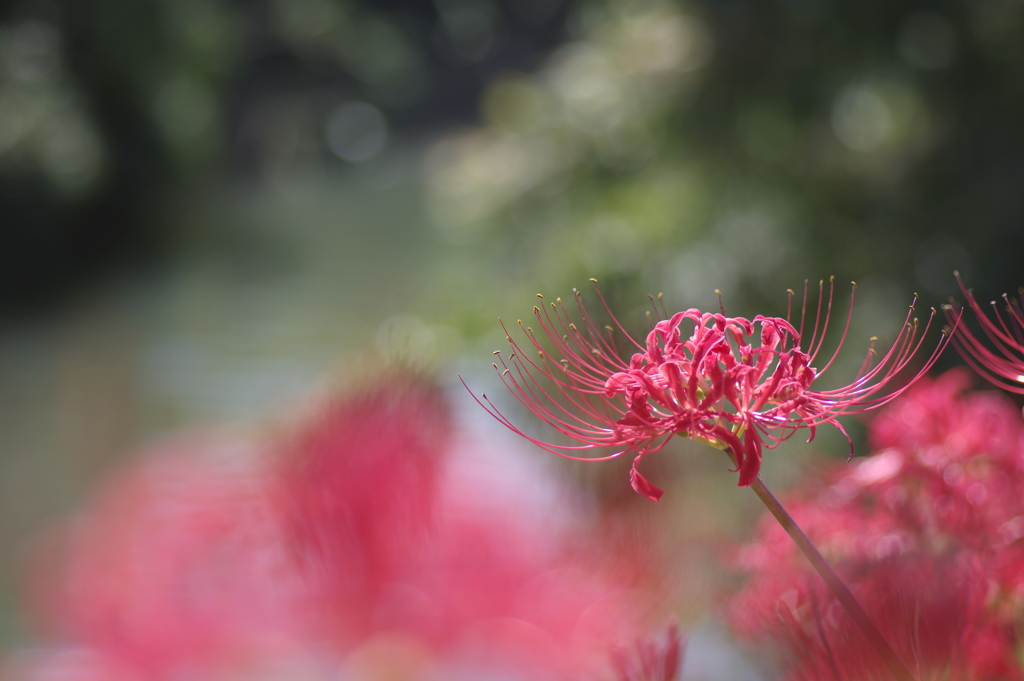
(834,582)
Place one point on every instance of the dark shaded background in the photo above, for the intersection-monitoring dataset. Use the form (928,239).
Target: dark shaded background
(161,96)
(173,95)
(205,204)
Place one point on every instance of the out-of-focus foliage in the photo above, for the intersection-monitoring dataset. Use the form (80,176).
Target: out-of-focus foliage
(682,145)
(743,146)
(108,109)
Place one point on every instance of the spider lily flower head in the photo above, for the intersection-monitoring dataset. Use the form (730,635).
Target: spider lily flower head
(740,385)
(1002,364)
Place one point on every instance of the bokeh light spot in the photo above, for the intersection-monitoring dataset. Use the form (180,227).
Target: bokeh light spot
(514,103)
(861,119)
(356,132)
(33,51)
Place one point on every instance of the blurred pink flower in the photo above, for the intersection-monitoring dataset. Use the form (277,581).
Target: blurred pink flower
(1001,360)
(432,540)
(375,538)
(357,488)
(178,562)
(65,664)
(733,383)
(927,533)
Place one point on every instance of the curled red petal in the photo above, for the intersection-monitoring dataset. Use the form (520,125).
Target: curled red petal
(640,483)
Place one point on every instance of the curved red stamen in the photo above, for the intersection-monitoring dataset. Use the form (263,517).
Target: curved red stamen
(1004,365)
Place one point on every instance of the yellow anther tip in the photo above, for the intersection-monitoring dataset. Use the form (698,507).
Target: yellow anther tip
(593,280)
(540,295)
(832,278)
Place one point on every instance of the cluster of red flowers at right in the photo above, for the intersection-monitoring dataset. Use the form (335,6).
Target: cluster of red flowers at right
(929,534)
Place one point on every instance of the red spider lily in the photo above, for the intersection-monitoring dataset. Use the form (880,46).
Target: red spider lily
(919,602)
(718,384)
(1003,366)
(930,534)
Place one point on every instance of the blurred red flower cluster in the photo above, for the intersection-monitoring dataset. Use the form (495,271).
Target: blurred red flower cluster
(929,535)
(376,542)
